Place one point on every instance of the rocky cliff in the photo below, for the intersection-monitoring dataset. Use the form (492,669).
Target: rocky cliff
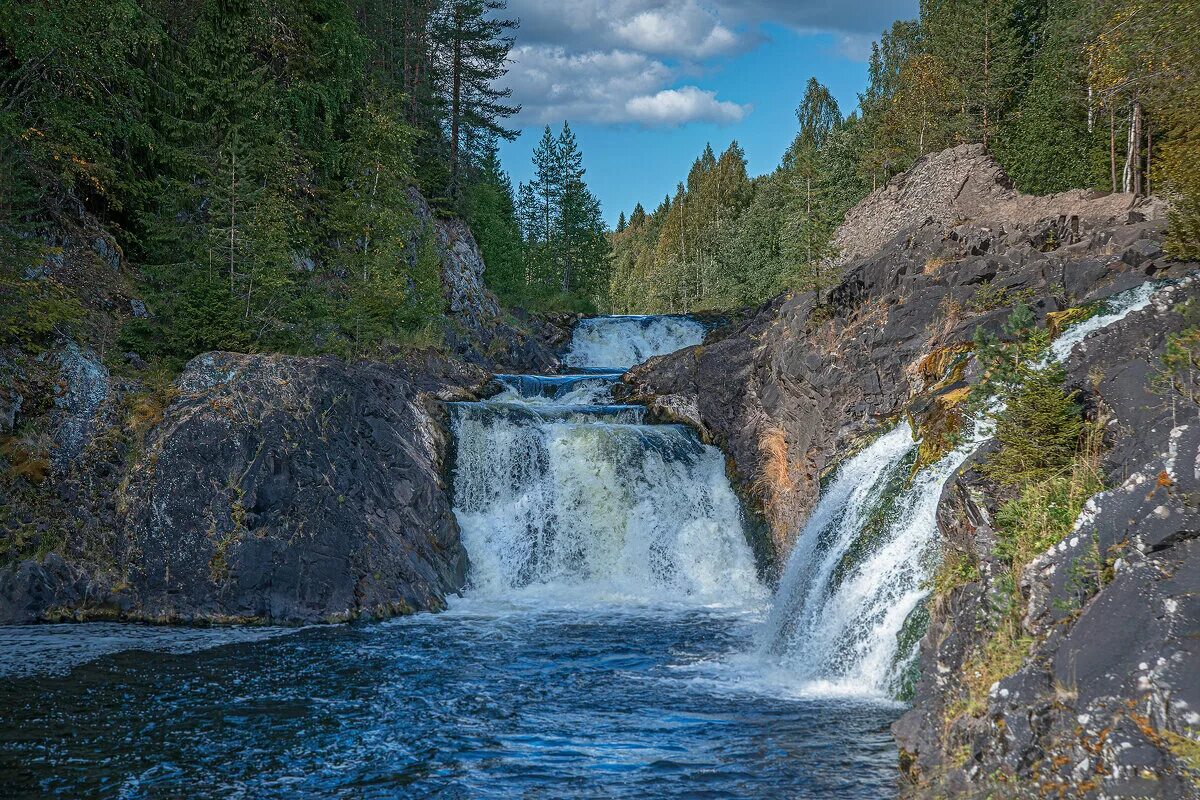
(1099,697)
(249,488)
(268,489)
(789,389)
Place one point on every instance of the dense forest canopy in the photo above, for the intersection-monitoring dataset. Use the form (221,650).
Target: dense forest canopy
(253,159)
(1064,93)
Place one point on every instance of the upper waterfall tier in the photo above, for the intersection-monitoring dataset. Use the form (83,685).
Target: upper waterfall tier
(622,342)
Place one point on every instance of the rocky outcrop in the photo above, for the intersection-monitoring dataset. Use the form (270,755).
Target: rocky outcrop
(788,390)
(481,331)
(1103,703)
(1106,699)
(272,489)
(964,183)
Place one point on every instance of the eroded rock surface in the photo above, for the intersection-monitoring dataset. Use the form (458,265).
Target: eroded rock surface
(788,390)
(1106,699)
(1104,703)
(274,489)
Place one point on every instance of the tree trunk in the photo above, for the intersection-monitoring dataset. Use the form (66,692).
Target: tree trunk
(987,55)
(1149,154)
(456,99)
(1131,148)
(1112,145)
(1136,159)
(232,217)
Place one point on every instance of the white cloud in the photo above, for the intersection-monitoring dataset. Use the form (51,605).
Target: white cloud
(672,107)
(620,61)
(675,28)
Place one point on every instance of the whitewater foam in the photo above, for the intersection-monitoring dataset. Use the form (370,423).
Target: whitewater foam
(622,342)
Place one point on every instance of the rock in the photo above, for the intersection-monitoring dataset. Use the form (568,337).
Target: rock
(295,490)
(482,333)
(303,262)
(135,361)
(138,308)
(108,251)
(10,398)
(83,387)
(1110,611)
(964,183)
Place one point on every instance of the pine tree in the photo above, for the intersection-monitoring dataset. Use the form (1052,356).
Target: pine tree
(473,45)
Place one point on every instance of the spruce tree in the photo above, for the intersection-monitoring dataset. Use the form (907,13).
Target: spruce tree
(473,46)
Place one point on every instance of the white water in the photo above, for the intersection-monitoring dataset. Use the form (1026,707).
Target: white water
(564,496)
(622,342)
(861,565)
(1116,308)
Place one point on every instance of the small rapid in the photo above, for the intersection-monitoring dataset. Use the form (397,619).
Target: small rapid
(619,343)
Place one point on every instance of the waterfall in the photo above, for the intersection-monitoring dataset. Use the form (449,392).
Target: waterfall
(1115,309)
(564,495)
(847,615)
(621,342)
(860,567)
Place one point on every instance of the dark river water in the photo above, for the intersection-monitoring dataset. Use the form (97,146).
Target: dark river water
(484,701)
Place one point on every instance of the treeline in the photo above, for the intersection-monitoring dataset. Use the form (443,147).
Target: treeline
(252,158)
(1065,93)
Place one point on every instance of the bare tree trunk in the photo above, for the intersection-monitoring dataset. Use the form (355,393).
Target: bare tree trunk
(232,216)
(1149,154)
(1131,158)
(1136,158)
(987,57)
(456,99)
(1112,145)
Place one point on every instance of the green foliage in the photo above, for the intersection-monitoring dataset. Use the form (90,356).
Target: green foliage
(253,160)
(567,252)
(1048,464)
(1039,424)
(1179,373)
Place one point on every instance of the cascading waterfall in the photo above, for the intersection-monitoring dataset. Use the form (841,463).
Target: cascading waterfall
(561,493)
(846,616)
(621,342)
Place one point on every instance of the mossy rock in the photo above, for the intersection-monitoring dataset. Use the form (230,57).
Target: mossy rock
(1059,321)
(938,425)
(945,364)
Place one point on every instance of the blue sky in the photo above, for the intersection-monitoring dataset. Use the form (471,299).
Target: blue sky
(646,83)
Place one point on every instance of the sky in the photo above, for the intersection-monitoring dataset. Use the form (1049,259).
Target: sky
(646,84)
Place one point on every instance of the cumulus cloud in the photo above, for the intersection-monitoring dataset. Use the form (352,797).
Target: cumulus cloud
(672,107)
(675,28)
(621,61)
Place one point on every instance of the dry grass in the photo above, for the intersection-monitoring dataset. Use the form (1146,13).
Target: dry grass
(28,455)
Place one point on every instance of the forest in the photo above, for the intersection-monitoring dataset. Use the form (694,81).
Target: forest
(252,162)
(1064,93)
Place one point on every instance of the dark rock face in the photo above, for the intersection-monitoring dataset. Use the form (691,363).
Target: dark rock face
(787,390)
(1104,704)
(294,490)
(1109,689)
(274,489)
